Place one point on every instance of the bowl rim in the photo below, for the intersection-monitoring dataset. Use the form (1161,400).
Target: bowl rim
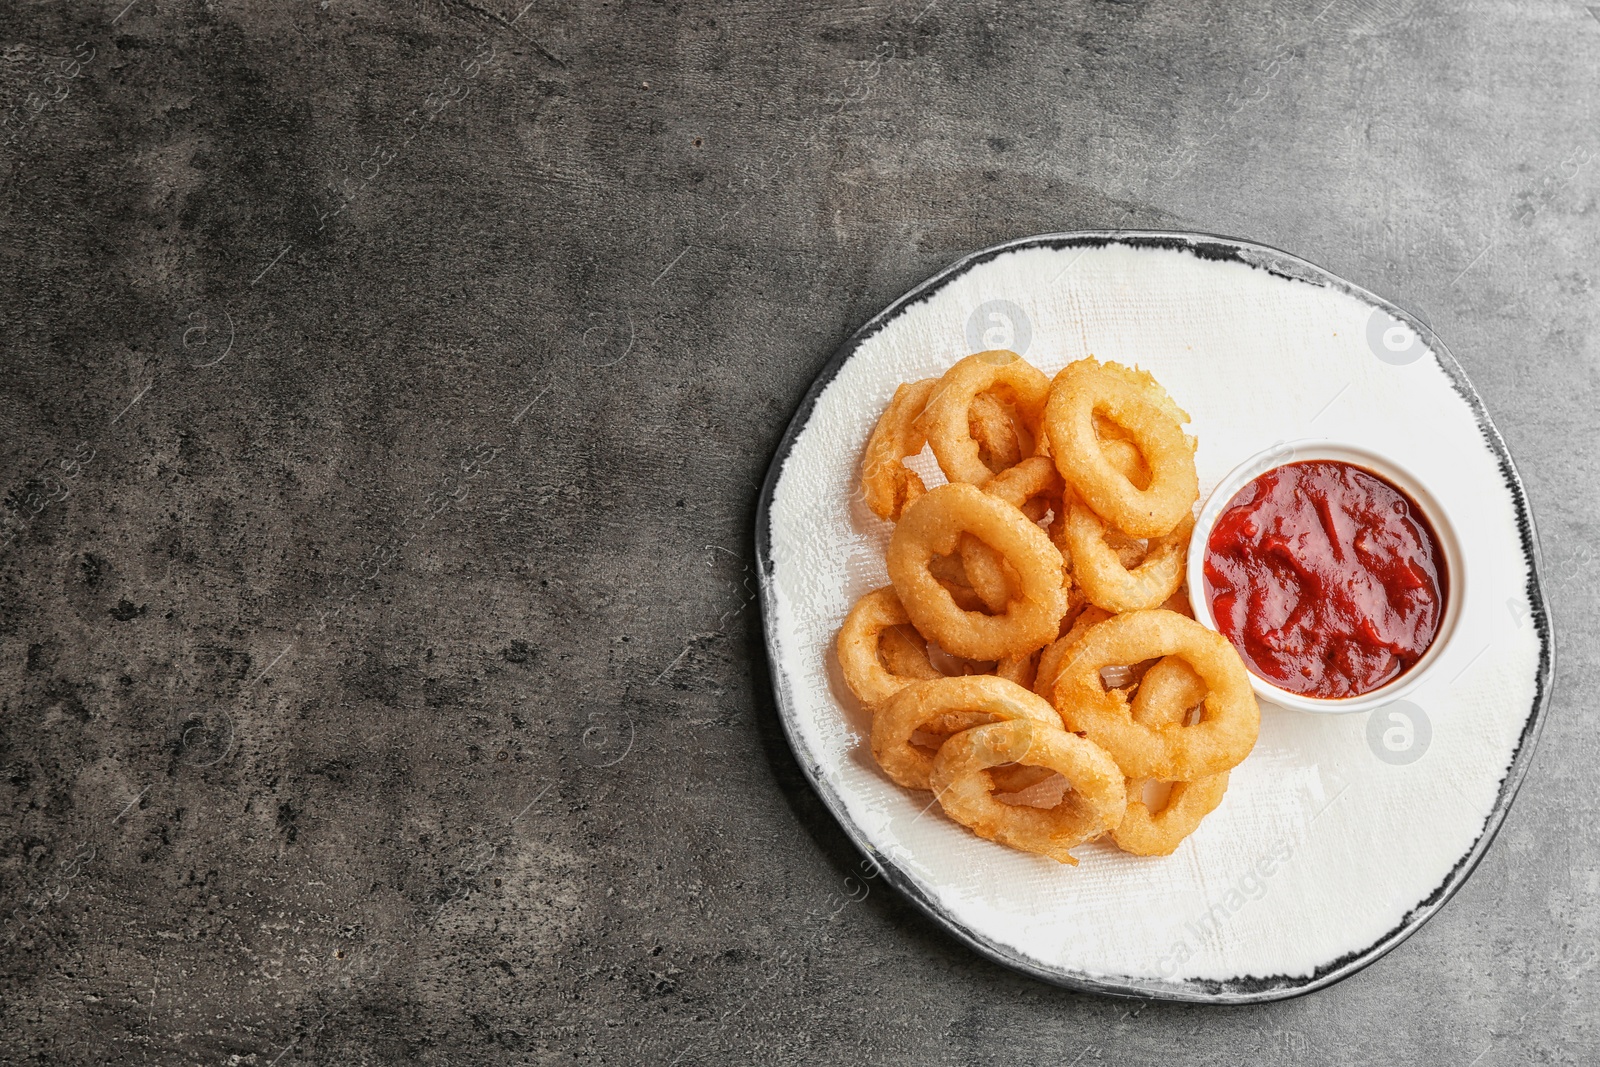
(1390,470)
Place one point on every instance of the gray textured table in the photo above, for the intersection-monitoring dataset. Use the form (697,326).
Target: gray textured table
(386,392)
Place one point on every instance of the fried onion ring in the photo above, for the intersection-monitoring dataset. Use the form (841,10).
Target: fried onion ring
(947,418)
(1171,752)
(961,779)
(931,712)
(1019,669)
(1123,456)
(1136,404)
(1179,602)
(887,484)
(991,580)
(1003,439)
(905,653)
(1050,661)
(933,526)
(1169,690)
(1032,480)
(951,572)
(1034,487)
(1106,579)
(861,642)
(1121,452)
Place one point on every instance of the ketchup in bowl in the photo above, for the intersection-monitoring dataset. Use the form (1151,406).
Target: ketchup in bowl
(1328,579)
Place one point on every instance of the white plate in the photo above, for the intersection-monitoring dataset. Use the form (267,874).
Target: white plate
(1339,835)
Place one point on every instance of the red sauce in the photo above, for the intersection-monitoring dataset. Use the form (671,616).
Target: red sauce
(1327,579)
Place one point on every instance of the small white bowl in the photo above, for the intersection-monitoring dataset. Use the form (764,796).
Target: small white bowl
(1387,469)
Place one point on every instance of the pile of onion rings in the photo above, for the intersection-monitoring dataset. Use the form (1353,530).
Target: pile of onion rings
(1034,661)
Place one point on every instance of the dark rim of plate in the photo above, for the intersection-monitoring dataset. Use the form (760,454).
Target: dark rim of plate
(1243,989)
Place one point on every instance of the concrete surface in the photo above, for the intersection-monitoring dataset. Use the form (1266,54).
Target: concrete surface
(386,389)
